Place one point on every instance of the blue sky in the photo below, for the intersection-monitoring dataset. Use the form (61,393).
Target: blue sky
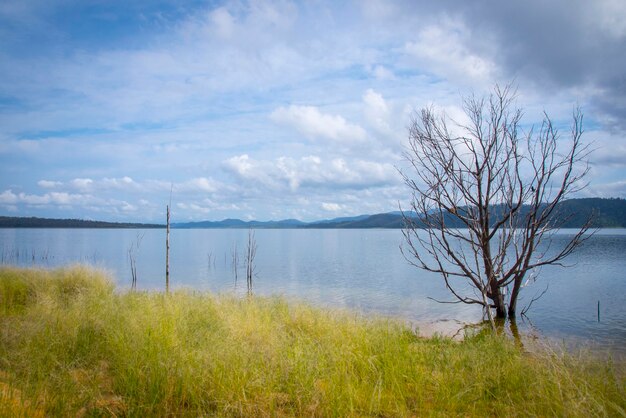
(277,109)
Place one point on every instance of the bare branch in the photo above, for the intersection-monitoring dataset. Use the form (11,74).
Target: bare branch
(487,200)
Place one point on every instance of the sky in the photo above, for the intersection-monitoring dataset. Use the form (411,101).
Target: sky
(278,109)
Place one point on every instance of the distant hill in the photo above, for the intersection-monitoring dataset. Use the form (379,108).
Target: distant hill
(380,220)
(238,223)
(608,213)
(336,221)
(19,222)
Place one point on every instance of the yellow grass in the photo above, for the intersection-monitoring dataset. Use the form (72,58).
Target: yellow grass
(72,346)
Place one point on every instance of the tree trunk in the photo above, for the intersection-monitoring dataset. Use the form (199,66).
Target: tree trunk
(498,301)
(167,252)
(513,300)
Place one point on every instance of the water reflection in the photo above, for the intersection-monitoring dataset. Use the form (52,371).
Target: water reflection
(356,269)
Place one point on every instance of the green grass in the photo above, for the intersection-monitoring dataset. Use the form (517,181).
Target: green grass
(70,345)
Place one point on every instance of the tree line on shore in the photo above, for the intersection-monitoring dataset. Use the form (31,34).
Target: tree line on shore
(608,213)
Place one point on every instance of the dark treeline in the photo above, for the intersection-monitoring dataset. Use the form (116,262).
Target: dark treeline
(20,222)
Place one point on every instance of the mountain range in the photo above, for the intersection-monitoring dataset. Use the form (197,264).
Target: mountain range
(608,213)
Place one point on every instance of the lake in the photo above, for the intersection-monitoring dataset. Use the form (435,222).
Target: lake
(360,269)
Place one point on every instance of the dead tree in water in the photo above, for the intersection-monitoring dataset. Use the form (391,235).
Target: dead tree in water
(235,262)
(167,244)
(132,259)
(250,255)
(167,251)
(484,196)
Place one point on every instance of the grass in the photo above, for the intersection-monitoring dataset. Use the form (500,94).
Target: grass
(70,345)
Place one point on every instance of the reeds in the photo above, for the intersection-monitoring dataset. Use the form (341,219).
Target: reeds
(70,345)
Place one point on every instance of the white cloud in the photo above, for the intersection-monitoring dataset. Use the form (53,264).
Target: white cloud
(193,207)
(241,165)
(8,197)
(315,124)
(609,151)
(609,16)
(127,207)
(379,9)
(377,111)
(206,207)
(64,200)
(128,185)
(252,172)
(383,73)
(223,21)
(290,174)
(82,184)
(611,189)
(123,183)
(60,198)
(53,198)
(199,185)
(376,105)
(31,199)
(331,207)
(441,48)
(47,184)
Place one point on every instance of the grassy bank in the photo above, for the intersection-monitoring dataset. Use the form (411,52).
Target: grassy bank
(72,346)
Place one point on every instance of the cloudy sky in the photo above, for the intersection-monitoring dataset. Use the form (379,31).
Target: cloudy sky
(277,109)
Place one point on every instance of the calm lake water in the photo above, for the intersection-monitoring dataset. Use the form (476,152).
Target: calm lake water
(357,269)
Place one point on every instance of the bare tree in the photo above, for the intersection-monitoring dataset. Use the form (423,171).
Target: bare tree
(250,255)
(234,263)
(485,196)
(167,243)
(167,250)
(132,259)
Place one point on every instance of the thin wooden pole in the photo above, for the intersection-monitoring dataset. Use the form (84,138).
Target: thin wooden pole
(167,252)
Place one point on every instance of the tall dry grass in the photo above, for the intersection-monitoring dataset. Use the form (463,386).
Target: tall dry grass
(70,345)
